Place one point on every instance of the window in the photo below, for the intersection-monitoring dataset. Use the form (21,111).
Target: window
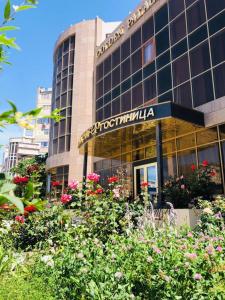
(175,8)
(202,89)
(217,23)
(161,18)
(163,60)
(181,70)
(115,58)
(148,52)
(147,30)
(200,59)
(182,95)
(125,69)
(179,49)
(162,41)
(44,121)
(185,160)
(126,102)
(125,49)
(46,131)
(214,7)
(136,40)
(149,70)
(164,80)
(116,76)
(218,48)
(99,71)
(107,83)
(196,15)
(44,144)
(116,107)
(198,36)
(178,29)
(137,96)
(219,79)
(149,89)
(107,65)
(136,61)
(107,111)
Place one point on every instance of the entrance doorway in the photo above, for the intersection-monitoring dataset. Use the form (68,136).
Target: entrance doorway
(146,173)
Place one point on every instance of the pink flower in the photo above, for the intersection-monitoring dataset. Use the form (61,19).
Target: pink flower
(66,198)
(219,249)
(73,185)
(116,193)
(156,249)
(197,276)
(205,163)
(191,256)
(20,219)
(190,234)
(210,249)
(93,177)
(182,187)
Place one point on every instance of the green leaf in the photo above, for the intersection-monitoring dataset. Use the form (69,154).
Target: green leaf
(7,11)
(8,28)
(24,7)
(10,42)
(14,108)
(29,192)
(14,200)
(34,112)
(7,188)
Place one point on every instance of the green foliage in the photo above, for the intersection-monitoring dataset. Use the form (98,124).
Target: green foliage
(184,190)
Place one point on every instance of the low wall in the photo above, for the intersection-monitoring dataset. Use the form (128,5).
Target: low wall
(188,217)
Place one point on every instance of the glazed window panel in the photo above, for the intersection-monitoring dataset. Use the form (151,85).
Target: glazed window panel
(217,23)
(148,52)
(136,40)
(99,72)
(163,60)
(138,154)
(150,152)
(169,166)
(116,58)
(162,41)
(116,77)
(168,147)
(222,131)
(165,97)
(125,69)
(64,85)
(161,18)
(175,8)
(107,111)
(71,57)
(99,89)
(126,85)
(107,65)
(136,60)
(150,88)
(149,70)
(107,98)
(126,102)
(207,136)
(182,95)
(200,59)
(107,83)
(70,83)
(181,71)
(185,160)
(219,80)
(116,107)
(62,127)
(211,154)
(214,7)
(66,46)
(164,80)
(137,96)
(202,89)
(185,142)
(61,144)
(198,36)
(99,115)
(218,48)
(125,49)
(189,2)
(147,30)
(65,60)
(196,15)
(178,29)
(179,48)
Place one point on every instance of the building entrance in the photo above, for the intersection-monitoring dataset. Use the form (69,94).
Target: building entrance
(146,173)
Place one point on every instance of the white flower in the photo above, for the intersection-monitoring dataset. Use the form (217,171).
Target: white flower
(207,211)
(118,275)
(47,259)
(80,255)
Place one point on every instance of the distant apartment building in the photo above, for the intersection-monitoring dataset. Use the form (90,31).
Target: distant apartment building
(18,149)
(40,133)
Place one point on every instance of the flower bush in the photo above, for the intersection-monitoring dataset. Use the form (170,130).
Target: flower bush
(185,190)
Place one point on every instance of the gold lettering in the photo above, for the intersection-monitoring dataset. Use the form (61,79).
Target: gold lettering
(151,113)
(143,112)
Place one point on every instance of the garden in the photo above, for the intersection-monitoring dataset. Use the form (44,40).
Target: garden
(92,242)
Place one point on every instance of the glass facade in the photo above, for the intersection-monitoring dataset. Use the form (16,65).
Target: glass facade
(177,55)
(183,145)
(60,133)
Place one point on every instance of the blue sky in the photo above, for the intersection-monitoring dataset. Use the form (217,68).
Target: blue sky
(39,29)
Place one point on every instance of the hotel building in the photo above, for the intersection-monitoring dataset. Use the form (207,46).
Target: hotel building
(159,96)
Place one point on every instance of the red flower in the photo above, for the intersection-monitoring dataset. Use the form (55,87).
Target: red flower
(20,219)
(213,173)
(113,179)
(144,184)
(193,167)
(99,191)
(32,168)
(30,208)
(56,183)
(205,163)
(20,180)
